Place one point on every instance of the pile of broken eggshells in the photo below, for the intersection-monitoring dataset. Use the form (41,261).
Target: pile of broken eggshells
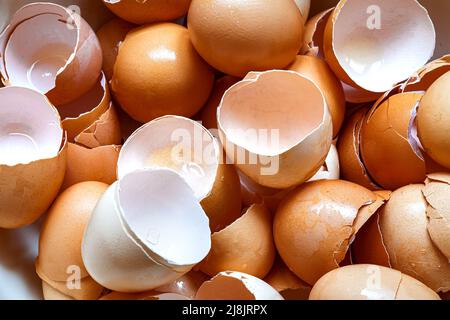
(193,150)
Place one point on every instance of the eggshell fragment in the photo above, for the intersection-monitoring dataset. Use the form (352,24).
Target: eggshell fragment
(330,169)
(318,71)
(234,248)
(32,156)
(236,286)
(287,283)
(143,12)
(403,223)
(276,147)
(373,45)
(352,167)
(111,35)
(432,121)
(51,49)
(237,38)
(98,164)
(370,282)
(127,251)
(386,152)
(315,225)
(437,195)
(314,33)
(158,72)
(188,148)
(62,232)
(209,111)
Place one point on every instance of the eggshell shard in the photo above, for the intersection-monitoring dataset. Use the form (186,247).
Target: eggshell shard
(50,49)
(318,71)
(127,251)
(348,146)
(315,225)
(410,245)
(267,36)
(32,156)
(373,45)
(62,232)
(432,121)
(143,12)
(188,148)
(437,195)
(370,282)
(386,152)
(111,35)
(276,148)
(98,164)
(209,111)
(149,61)
(314,33)
(286,282)
(330,169)
(236,286)
(234,249)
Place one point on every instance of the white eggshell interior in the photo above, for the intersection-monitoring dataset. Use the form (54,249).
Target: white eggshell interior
(177,143)
(272,113)
(376,57)
(30,127)
(38,50)
(160,209)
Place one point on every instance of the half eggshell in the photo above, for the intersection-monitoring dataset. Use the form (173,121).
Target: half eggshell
(275,126)
(236,286)
(32,156)
(50,49)
(374,45)
(190,149)
(127,251)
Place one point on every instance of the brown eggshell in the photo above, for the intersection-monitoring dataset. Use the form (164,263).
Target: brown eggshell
(352,167)
(386,152)
(84,164)
(158,72)
(52,294)
(110,36)
(318,71)
(432,121)
(82,113)
(427,75)
(237,38)
(286,282)
(314,32)
(103,132)
(404,225)
(437,195)
(234,249)
(143,12)
(370,282)
(209,111)
(315,224)
(295,140)
(36,30)
(62,231)
(28,190)
(59,290)
(304,6)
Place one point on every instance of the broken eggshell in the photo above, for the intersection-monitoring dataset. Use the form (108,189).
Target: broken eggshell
(236,286)
(373,45)
(316,223)
(304,6)
(244,246)
(314,33)
(127,251)
(50,49)
(275,149)
(330,169)
(190,149)
(144,12)
(32,156)
(370,282)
